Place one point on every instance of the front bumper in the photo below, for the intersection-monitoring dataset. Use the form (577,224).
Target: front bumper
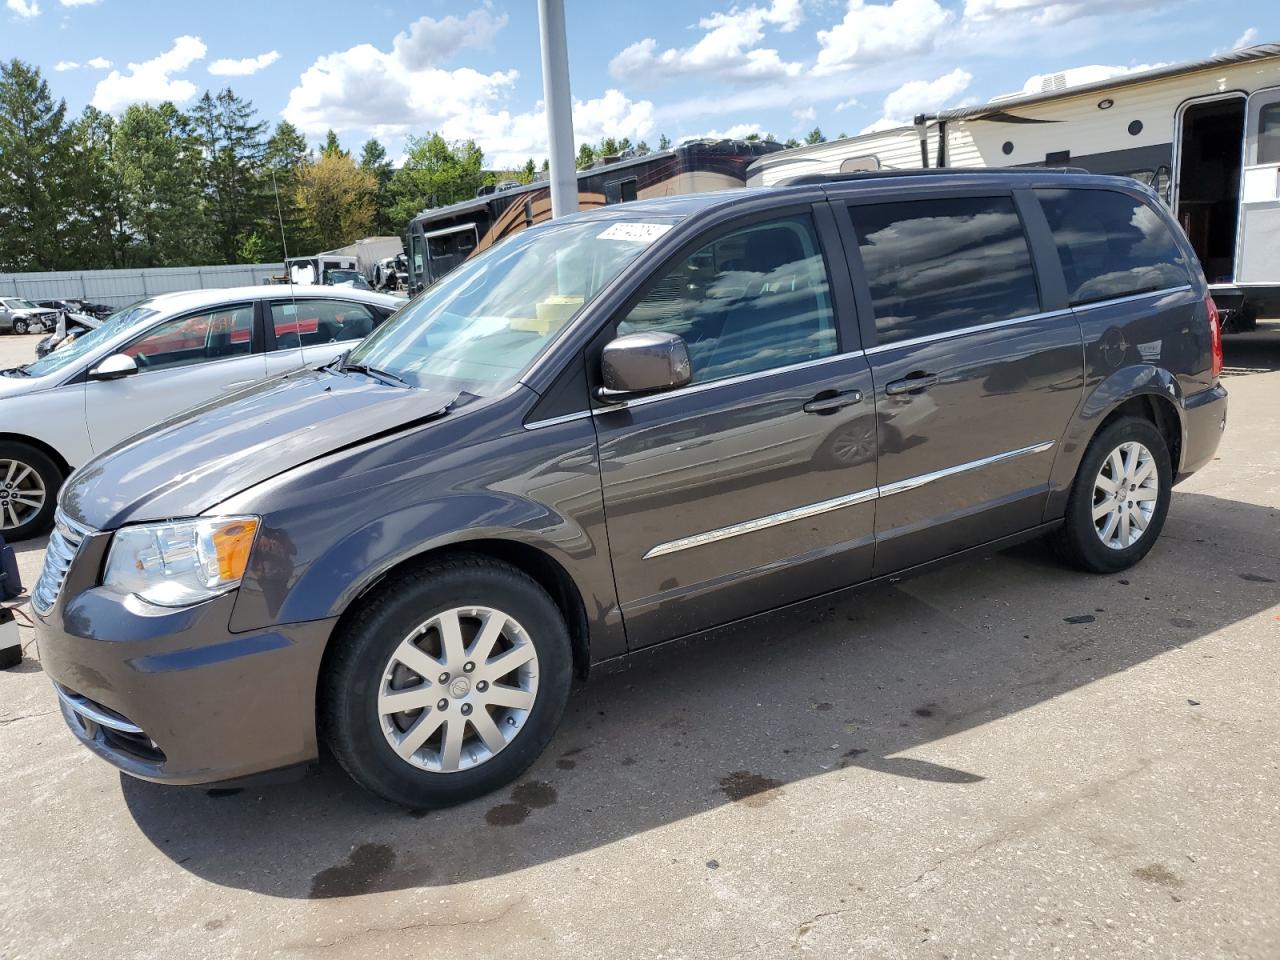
(172,695)
(1204,420)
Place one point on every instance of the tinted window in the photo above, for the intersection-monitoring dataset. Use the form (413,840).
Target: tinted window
(1269,134)
(753,300)
(1111,245)
(305,323)
(225,332)
(935,266)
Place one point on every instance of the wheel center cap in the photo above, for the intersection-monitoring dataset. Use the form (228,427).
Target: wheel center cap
(459,688)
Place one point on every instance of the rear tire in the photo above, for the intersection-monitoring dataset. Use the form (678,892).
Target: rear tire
(27,476)
(1114,515)
(417,619)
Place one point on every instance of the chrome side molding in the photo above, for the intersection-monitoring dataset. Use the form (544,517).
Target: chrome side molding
(838,503)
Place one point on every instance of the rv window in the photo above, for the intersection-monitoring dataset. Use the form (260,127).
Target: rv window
(628,189)
(1111,245)
(934,266)
(1269,134)
(749,301)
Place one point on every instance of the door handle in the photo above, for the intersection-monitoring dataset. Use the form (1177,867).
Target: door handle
(916,382)
(829,401)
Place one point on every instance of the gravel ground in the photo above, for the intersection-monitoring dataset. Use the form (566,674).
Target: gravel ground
(1000,759)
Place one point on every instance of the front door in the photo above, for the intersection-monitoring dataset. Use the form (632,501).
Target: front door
(1256,259)
(755,485)
(181,363)
(975,382)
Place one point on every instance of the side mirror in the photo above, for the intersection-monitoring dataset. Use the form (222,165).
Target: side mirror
(115,367)
(640,363)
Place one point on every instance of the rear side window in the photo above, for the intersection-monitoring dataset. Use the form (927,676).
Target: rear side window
(936,266)
(1269,134)
(305,323)
(1111,245)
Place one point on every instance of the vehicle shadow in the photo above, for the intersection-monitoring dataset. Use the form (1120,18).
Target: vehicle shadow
(1256,352)
(846,686)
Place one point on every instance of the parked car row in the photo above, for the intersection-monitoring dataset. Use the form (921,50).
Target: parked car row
(150,361)
(607,432)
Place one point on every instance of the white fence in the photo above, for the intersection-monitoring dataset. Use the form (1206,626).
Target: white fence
(119,288)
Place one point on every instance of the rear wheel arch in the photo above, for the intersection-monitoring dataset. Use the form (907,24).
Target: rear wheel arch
(1161,411)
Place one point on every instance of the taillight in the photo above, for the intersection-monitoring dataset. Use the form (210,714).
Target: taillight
(1215,335)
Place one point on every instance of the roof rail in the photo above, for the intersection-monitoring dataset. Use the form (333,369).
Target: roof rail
(808,179)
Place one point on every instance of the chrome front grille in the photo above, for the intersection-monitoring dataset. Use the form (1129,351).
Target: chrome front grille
(64,544)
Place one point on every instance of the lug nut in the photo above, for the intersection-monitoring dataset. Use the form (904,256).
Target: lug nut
(468,667)
(466,709)
(443,704)
(444,678)
(482,686)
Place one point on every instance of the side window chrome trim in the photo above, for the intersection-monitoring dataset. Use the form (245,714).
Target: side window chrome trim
(554,421)
(961,331)
(1132,298)
(837,503)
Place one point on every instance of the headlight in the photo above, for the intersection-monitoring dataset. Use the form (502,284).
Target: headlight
(180,562)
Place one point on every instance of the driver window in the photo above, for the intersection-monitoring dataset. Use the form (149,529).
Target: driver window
(752,300)
(216,335)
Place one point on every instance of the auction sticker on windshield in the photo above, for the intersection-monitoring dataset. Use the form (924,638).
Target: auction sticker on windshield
(637,232)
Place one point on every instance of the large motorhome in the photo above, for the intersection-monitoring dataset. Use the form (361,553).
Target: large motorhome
(441,238)
(1204,135)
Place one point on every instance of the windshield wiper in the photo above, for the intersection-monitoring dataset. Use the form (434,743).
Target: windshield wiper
(383,375)
(15,372)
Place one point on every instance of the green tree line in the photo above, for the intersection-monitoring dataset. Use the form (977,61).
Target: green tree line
(160,186)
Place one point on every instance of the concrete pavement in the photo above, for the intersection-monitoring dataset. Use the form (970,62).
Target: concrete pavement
(1000,759)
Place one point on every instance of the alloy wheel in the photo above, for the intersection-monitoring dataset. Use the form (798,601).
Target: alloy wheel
(458,689)
(22,494)
(1125,494)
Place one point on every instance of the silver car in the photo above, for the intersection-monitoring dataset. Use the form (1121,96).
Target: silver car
(22,316)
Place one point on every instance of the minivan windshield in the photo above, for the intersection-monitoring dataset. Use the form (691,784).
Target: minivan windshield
(65,356)
(479,328)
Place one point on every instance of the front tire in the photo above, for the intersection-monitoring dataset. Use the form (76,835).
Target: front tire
(29,482)
(1119,500)
(447,684)
(20,326)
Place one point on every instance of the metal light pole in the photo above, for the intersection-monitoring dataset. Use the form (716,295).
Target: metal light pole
(555,93)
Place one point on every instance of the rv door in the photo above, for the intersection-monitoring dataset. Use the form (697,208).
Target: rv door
(1256,261)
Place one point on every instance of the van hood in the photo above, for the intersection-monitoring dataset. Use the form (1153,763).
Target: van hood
(199,458)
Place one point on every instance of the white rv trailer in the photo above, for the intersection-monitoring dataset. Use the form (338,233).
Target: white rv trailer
(1205,135)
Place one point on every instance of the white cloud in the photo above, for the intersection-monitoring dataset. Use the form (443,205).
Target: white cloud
(430,42)
(391,93)
(805,115)
(920,96)
(64,65)
(847,104)
(1246,39)
(871,33)
(727,49)
(1041,13)
(98,63)
(151,81)
(739,131)
(24,8)
(78,3)
(245,67)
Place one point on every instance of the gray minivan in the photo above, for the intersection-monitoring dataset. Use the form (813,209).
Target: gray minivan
(614,430)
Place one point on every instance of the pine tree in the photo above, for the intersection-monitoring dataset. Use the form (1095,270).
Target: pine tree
(95,223)
(373,158)
(35,170)
(586,156)
(157,157)
(332,146)
(529,172)
(233,148)
(664,142)
(815,136)
(285,156)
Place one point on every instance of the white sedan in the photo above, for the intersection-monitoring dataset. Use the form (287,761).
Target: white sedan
(154,359)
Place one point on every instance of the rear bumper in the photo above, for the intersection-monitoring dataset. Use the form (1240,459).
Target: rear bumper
(172,696)
(1204,419)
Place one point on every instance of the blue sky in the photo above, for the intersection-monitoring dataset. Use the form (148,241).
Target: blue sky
(469,68)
